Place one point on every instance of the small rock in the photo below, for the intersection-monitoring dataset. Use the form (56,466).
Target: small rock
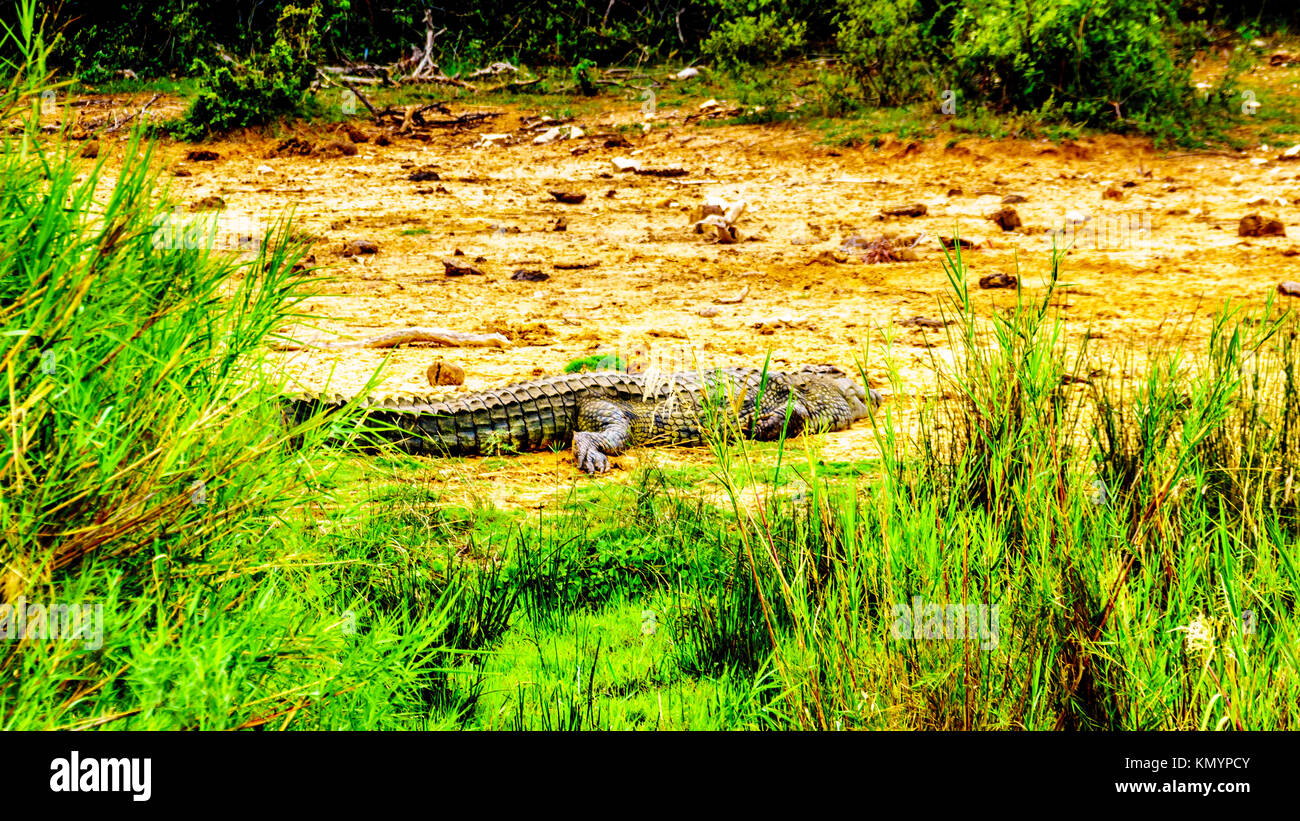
(356,247)
(1253,225)
(1288,288)
(457,268)
(998,280)
(687,73)
(1014,199)
(574,265)
(530,275)
(708,311)
(955,192)
(560,224)
(202,156)
(181,171)
(265,169)
(424,174)
(568,197)
(550,135)
(445,373)
(917,209)
(90,150)
(1113,193)
(1006,218)
(382,139)
(355,134)
(1291,252)
(624,164)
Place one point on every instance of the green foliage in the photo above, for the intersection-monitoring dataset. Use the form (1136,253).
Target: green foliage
(271,86)
(596,362)
(887,48)
(581,74)
(744,39)
(1097,62)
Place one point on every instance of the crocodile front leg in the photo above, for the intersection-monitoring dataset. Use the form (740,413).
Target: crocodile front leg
(604,427)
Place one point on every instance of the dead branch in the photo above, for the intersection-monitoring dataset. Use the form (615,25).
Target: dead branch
(152,100)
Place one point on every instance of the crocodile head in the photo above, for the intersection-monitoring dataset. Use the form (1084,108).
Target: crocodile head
(832,399)
(819,397)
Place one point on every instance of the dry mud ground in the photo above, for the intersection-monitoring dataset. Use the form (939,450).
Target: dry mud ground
(1156,284)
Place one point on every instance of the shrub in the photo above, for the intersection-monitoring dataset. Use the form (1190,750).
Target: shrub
(1098,62)
(750,39)
(885,48)
(271,86)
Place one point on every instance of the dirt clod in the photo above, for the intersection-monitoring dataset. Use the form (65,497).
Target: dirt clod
(457,268)
(1253,225)
(355,247)
(998,280)
(211,203)
(338,148)
(1006,218)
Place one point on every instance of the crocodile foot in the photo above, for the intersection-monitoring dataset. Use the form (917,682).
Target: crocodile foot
(587,452)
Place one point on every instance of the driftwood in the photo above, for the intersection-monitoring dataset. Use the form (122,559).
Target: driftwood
(402,336)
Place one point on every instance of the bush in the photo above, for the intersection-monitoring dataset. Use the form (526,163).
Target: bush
(272,86)
(885,48)
(1098,62)
(753,40)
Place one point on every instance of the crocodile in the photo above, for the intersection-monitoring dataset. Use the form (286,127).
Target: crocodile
(602,413)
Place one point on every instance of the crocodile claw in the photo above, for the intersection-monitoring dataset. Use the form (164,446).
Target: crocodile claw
(589,456)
